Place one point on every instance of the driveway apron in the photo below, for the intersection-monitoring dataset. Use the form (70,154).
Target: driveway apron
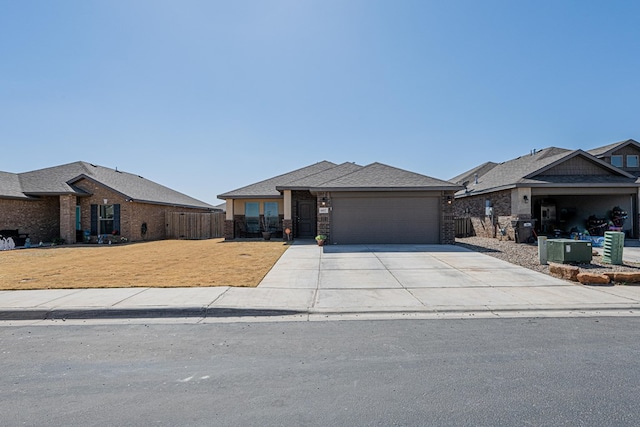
(353,278)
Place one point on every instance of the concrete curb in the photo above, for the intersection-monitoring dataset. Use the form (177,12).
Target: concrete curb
(139,313)
(226,312)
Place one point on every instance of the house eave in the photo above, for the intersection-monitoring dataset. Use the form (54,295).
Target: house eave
(178,205)
(249,196)
(386,189)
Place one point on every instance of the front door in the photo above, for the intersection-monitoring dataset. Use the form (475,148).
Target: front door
(306,218)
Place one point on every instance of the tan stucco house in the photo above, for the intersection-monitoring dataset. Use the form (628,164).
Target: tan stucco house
(349,203)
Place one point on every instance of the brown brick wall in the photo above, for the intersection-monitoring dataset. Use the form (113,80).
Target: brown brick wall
(324,219)
(39,218)
(229,231)
(50,217)
(447,223)
(132,214)
(485,226)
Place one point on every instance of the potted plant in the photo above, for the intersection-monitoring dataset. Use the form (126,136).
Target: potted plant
(266,233)
(320,238)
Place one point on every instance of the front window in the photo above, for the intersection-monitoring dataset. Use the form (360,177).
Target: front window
(106,219)
(252,216)
(632,161)
(271,215)
(616,161)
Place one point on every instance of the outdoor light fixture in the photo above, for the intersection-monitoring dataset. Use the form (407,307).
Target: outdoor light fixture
(449,200)
(324,201)
(525,198)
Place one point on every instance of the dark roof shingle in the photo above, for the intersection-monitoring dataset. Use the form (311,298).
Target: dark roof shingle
(378,176)
(267,188)
(59,180)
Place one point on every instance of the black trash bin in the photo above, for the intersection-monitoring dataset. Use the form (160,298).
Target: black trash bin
(524,230)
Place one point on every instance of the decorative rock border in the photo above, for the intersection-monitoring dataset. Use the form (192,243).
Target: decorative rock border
(573,273)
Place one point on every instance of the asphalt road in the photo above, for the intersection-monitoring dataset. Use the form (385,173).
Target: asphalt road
(351,373)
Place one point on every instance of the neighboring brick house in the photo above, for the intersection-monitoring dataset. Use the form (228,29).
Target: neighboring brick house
(558,191)
(70,200)
(349,203)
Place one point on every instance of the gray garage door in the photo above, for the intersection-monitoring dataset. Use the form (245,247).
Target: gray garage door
(384,218)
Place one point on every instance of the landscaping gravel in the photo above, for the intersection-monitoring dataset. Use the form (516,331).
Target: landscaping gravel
(526,255)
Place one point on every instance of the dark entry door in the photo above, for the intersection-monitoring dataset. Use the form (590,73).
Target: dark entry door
(306,218)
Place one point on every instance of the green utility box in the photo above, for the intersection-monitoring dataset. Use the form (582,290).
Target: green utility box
(566,250)
(612,248)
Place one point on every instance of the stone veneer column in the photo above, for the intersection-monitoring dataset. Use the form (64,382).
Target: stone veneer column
(68,218)
(324,219)
(448,230)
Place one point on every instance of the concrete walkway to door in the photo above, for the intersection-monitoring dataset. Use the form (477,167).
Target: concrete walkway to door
(433,278)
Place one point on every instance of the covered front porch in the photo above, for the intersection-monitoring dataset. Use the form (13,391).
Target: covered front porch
(294,210)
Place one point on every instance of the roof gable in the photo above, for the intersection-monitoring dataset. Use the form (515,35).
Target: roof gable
(267,188)
(609,149)
(576,165)
(321,177)
(61,179)
(471,174)
(552,161)
(578,162)
(378,176)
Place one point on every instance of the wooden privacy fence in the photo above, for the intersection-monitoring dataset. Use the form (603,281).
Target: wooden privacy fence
(463,227)
(195,226)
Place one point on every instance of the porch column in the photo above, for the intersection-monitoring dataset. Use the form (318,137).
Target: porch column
(68,218)
(287,221)
(229,228)
(521,203)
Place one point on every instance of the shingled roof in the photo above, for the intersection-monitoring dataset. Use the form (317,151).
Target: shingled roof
(267,188)
(59,180)
(327,176)
(321,177)
(381,177)
(529,170)
(600,151)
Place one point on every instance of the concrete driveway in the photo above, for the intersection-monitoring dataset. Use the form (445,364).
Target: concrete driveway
(356,278)
(344,282)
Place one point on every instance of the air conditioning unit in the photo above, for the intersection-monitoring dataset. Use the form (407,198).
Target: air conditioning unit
(566,250)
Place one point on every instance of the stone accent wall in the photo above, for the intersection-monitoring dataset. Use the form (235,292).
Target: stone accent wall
(39,218)
(323,200)
(447,223)
(229,229)
(68,218)
(498,225)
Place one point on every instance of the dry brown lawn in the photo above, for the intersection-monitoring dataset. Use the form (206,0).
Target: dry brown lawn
(166,263)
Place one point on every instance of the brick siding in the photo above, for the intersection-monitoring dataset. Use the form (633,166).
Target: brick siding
(473,207)
(50,217)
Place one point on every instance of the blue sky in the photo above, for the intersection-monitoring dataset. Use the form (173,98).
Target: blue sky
(208,96)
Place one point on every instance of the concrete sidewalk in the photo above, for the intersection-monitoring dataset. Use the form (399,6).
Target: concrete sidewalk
(370,281)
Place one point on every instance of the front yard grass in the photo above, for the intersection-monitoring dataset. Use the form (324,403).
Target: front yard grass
(160,264)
